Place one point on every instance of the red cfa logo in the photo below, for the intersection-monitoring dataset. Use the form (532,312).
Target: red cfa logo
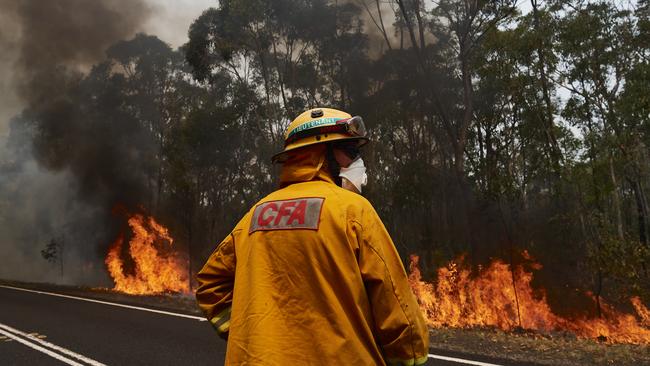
(299,213)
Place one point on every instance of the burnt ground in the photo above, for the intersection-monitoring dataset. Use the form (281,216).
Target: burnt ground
(520,347)
(550,349)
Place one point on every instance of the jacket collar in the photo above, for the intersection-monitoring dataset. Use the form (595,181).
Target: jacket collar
(304,165)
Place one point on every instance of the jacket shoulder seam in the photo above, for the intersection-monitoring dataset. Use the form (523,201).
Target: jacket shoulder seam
(231,235)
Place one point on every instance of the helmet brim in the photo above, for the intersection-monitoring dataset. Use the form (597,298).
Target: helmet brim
(281,156)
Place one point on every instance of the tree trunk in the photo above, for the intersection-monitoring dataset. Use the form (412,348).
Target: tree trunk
(616,200)
(549,130)
(381,22)
(468,105)
(642,211)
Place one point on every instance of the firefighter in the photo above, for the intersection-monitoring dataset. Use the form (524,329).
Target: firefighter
(310,276)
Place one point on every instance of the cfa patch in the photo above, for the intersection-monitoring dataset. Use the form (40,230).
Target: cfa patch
(299,213)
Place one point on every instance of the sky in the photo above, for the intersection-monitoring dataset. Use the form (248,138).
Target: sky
(169,20)
(172,18)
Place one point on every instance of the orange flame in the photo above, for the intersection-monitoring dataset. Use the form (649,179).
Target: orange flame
(154,272)
(460,300)
(643,311)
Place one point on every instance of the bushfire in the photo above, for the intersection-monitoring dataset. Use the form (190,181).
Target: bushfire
(156,269)
(460,299)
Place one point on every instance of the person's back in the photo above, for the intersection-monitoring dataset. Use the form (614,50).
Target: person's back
(310,276)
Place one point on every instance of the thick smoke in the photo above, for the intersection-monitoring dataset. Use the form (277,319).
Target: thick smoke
(37,205)
(9,45)
(61,36)
(58,177)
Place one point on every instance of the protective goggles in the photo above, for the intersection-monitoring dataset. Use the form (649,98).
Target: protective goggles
(352,126)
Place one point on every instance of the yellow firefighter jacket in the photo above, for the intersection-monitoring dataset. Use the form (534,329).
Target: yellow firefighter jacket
(310,276)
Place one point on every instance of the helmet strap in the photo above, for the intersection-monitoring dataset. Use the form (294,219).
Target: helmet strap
(333,165)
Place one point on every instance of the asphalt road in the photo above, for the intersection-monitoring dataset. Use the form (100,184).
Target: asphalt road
(43,329)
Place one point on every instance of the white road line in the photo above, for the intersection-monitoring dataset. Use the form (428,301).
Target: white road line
(460,360)
(108,303)
(15,332)
(41,349)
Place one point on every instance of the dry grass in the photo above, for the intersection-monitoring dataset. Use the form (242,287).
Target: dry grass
(544,349)
(181,303)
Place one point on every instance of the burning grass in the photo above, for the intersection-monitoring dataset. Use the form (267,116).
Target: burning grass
(156,268)
(460,300)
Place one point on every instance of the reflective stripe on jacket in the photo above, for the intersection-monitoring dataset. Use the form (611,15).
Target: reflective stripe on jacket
(310,276)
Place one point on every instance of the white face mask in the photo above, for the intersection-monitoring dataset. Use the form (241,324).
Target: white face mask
(354,176)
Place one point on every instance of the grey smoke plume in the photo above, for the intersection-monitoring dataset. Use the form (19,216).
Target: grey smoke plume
(37,205)
(9,45)
(63,36)
(58,177)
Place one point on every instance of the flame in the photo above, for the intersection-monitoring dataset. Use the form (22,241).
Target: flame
(643,311)
(154,271)
(458,299)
